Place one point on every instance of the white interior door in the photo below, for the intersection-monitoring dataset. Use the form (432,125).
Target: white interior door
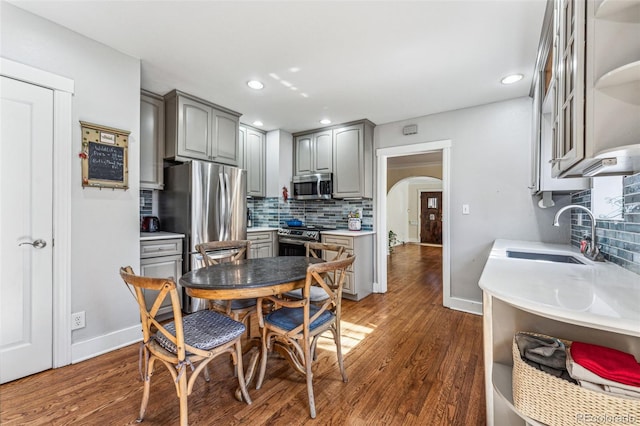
(26,209)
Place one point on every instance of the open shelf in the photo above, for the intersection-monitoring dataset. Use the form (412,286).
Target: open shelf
(610,9)
(622,83)
(502,383)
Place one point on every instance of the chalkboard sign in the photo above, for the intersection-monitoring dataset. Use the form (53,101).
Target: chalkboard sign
(106,162)
(104,157)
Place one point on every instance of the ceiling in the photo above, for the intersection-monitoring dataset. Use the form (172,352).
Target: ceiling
(381,60)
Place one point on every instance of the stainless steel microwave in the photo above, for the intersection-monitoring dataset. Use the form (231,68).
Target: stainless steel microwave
(317,186)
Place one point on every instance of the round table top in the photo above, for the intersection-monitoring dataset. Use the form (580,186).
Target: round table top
(249,273)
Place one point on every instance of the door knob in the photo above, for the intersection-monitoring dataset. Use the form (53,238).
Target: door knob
(37,243)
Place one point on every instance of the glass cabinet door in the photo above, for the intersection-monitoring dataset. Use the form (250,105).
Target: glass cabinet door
(569,127)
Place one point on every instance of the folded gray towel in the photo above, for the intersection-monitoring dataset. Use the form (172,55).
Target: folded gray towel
(544,353)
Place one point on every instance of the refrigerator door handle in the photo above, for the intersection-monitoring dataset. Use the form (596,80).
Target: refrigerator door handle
(227,216)
(223,207)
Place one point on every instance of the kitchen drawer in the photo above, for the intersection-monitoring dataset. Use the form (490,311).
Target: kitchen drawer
(157,248)
(341,241)
(260,236)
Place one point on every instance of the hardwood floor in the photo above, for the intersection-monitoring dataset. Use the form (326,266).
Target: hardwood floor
(409,361)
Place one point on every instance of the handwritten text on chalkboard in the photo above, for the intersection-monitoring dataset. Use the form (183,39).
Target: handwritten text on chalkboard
(106,162)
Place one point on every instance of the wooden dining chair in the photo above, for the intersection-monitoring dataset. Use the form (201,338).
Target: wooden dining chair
(296,325)
(216,252)
(186,343)
(318,295)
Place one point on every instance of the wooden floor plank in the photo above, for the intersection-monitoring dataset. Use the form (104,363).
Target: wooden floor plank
(409,361)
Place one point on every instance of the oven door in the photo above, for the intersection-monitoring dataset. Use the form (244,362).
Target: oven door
(291,247)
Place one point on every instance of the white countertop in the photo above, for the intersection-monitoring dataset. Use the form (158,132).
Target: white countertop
(160,235)
(598,294)
(347,233)
(261,229)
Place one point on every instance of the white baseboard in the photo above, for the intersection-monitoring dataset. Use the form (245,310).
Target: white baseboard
(91,348)
(465,305)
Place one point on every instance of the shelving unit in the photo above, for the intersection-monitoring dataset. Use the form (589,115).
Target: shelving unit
(622,83)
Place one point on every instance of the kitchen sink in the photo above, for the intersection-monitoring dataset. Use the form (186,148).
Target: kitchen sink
(547,257)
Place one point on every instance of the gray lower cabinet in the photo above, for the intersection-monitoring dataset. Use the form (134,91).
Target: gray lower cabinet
(200,130)
(263,243)
(253,159)
(359,280)
(151,140)
(161,259)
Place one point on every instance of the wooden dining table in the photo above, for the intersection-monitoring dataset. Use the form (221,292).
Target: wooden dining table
(247,279)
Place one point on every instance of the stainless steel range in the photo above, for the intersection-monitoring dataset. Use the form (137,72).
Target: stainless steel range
(291,239)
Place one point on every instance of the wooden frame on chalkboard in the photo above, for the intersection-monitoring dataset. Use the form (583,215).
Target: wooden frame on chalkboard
(104,157)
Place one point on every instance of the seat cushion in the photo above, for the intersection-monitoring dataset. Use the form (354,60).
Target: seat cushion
(316,294)
(203,330)
(290,318)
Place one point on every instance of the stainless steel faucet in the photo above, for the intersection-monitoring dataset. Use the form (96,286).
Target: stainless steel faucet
(592,251)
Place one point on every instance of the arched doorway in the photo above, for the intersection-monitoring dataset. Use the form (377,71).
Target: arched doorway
(409,206)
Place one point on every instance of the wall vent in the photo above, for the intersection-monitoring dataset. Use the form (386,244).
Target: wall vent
(411,129)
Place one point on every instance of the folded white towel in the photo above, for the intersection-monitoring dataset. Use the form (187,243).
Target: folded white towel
(592,381)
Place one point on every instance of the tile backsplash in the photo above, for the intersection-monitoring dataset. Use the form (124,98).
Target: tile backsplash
(619,240)
(275,212)
(146,202)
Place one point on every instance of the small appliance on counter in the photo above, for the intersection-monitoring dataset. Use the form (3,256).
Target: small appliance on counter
(149,224)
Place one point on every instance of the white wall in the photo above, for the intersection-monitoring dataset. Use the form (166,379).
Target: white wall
(105,223)
(279,159)
(397,205)
(490,163)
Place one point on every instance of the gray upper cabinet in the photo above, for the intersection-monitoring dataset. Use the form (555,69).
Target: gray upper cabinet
(253,159)
(597,104)
(353,161)
(323,152)
(346,150)
(545,120)
(313,153)
(225,130)
(197,129)
(151,140)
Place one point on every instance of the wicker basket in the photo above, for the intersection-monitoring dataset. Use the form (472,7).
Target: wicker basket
(554,401)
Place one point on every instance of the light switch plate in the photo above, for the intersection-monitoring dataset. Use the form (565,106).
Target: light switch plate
(465,209)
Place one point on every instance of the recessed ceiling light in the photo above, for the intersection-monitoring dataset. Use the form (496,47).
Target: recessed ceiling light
(510,79)
(255,84)
(325,121)
(258,123)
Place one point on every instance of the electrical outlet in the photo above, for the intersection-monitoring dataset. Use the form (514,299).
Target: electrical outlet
(77,320)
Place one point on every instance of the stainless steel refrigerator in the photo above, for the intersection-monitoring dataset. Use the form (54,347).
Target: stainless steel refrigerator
(205,202)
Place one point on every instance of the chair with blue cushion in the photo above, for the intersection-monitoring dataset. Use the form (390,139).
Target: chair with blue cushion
(318,251)
(186,343)
(216,252)
(296,325)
